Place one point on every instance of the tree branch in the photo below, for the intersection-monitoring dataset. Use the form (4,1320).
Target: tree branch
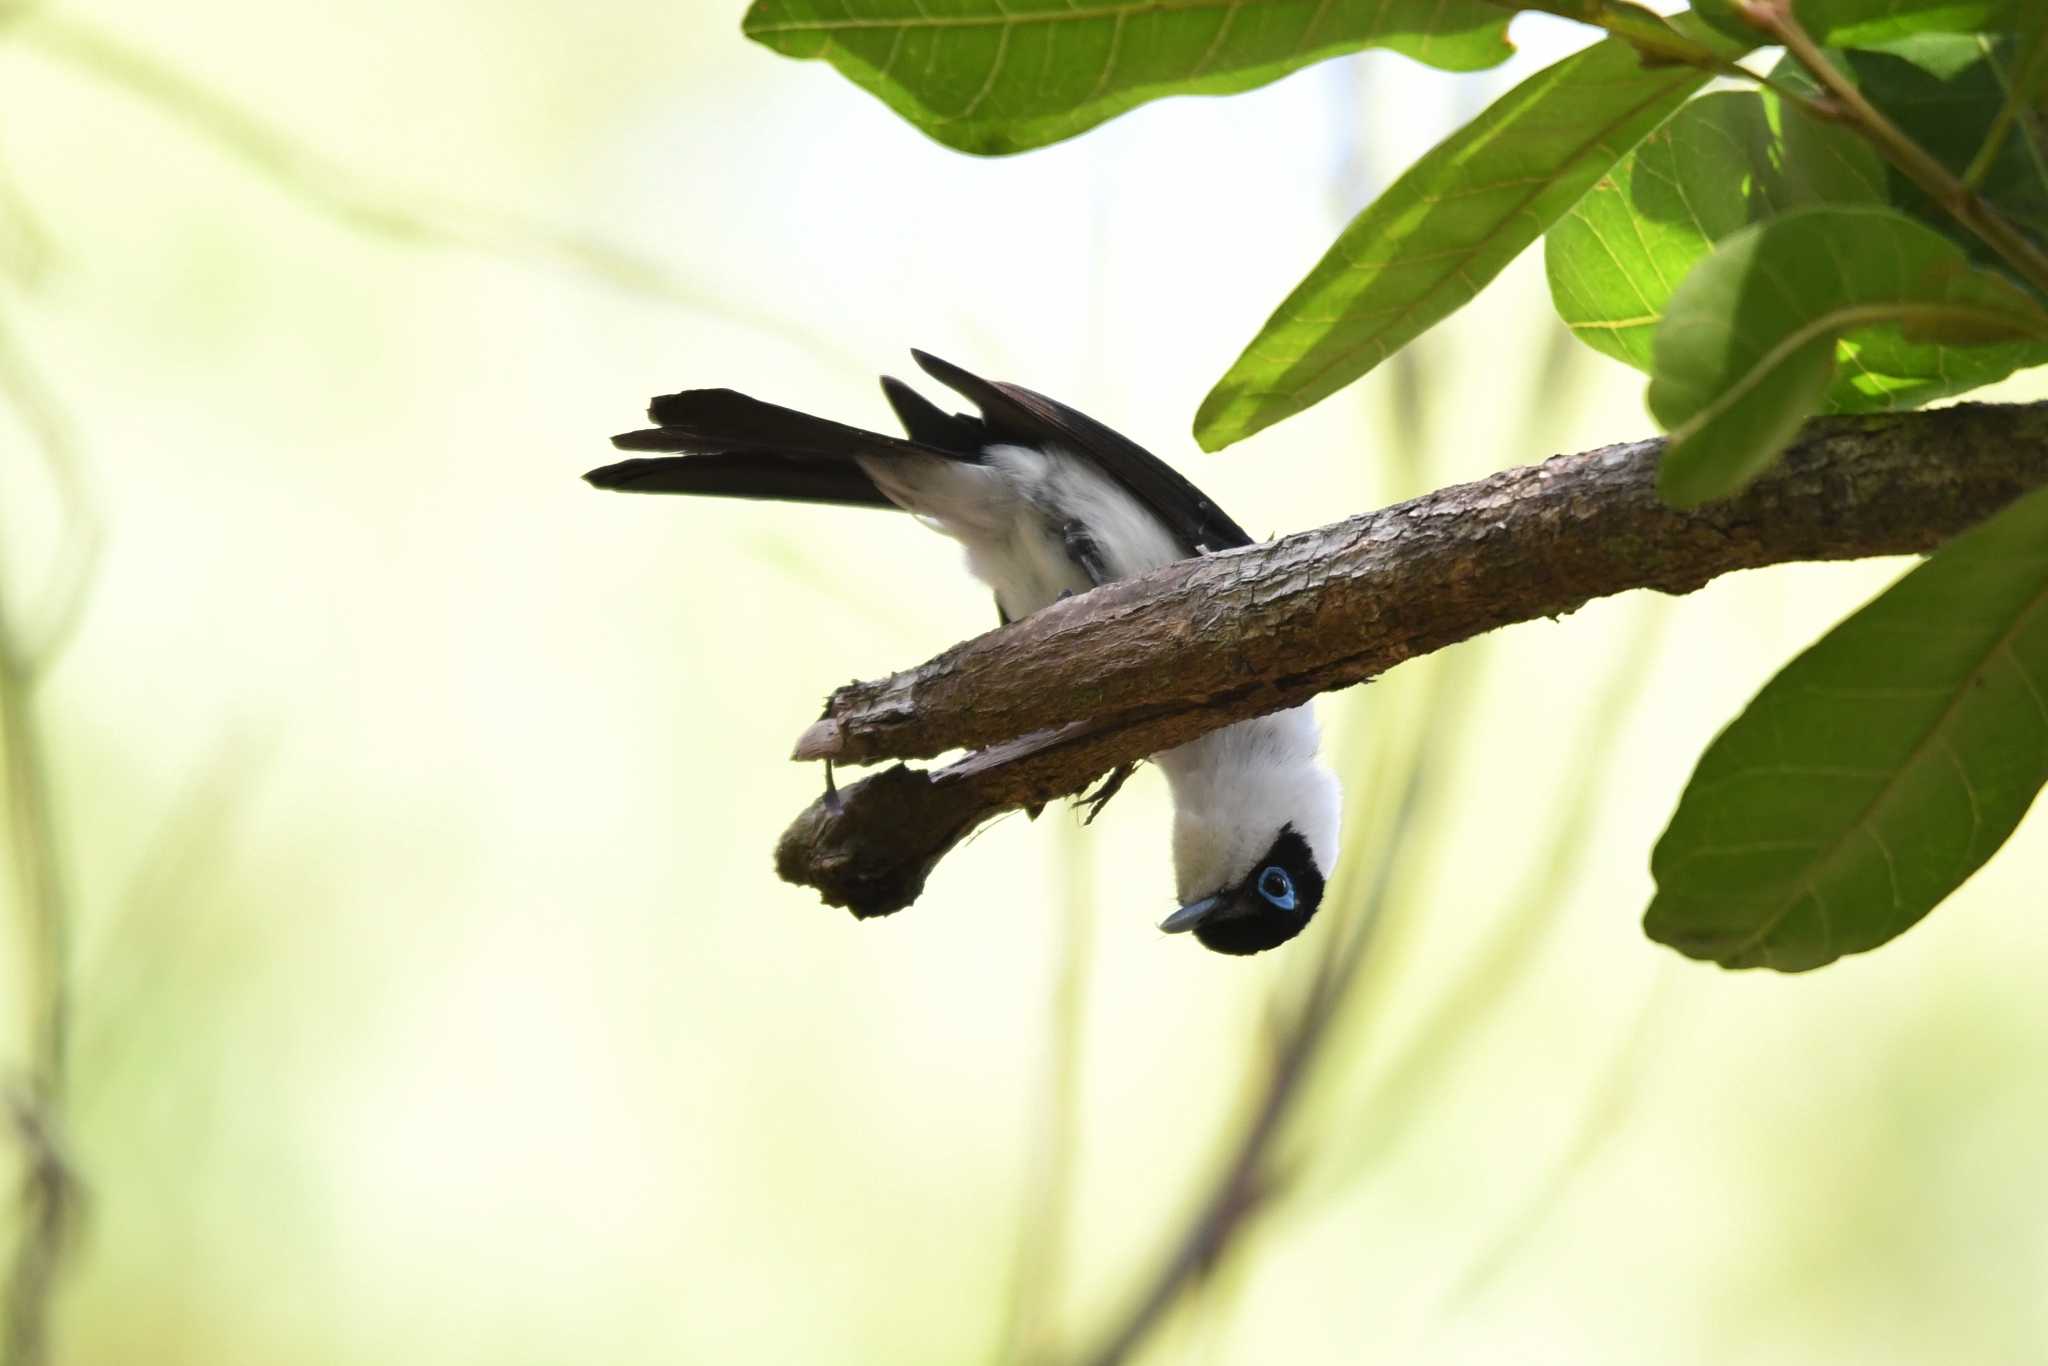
(1141,665)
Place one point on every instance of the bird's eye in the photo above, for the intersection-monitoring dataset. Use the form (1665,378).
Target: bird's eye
(1277,887)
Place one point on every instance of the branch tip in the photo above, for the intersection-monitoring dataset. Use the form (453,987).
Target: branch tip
(825,739)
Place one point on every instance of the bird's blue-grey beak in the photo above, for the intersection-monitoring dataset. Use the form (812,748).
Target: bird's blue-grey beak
(1191,915)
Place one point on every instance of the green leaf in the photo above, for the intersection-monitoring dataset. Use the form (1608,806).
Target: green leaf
(1855,23)
(997,76)
(1877,772)
(1852,23)
(1729,159)
(1746,350)
(1443,230)
(1724,161)
(2025,95)
(1945,91)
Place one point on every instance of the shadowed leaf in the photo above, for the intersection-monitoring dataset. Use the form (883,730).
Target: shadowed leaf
(1747,348)
(1945,91)
(1723,162)
(1877,772)
(1850,23)
(997,76)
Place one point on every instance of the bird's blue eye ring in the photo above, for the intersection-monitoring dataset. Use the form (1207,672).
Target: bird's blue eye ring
(1277,887)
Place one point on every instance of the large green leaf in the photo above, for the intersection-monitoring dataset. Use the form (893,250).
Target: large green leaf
(1723,162)
(1852,23)
(995,76)
(1747,347)
(1443,230)
(1877,772)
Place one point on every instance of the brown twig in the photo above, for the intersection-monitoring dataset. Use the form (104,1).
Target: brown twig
(50,1199)
(1658,40)
(1141,665)
(1680,40)
(1250,1177)
(48,1186)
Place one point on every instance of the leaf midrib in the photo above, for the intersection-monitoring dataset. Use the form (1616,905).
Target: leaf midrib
(1805,886)
(1347,353)
(1837,322)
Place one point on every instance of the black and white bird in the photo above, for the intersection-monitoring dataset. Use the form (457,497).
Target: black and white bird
(1047,502)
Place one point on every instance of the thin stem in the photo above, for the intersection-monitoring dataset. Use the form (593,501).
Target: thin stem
(1649,33)
(50,1197)
(1775,19)
(1652,35)
(1249,1179)
(2033,64)
(37,643)
(50,1190)
(30,836)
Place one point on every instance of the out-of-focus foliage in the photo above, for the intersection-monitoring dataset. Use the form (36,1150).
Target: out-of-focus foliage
(1748,344)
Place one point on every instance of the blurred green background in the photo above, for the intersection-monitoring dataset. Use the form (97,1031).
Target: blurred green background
(434,997)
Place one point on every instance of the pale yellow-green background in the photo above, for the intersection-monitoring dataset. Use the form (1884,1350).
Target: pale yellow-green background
(437,1001)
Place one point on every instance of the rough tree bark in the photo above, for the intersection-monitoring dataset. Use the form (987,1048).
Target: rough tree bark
(1052,701)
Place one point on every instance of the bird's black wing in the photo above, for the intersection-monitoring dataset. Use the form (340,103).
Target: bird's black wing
(729,445)
(1011,412)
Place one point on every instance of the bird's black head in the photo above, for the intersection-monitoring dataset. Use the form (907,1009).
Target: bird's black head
(1271,906)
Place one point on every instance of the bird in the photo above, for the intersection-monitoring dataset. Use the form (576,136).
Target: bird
(1047,503)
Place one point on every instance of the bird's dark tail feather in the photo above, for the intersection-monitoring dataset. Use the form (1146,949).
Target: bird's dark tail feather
(733,446)
(932,425)
(766,474)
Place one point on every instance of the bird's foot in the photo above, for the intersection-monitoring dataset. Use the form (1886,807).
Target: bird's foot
(1109,787)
